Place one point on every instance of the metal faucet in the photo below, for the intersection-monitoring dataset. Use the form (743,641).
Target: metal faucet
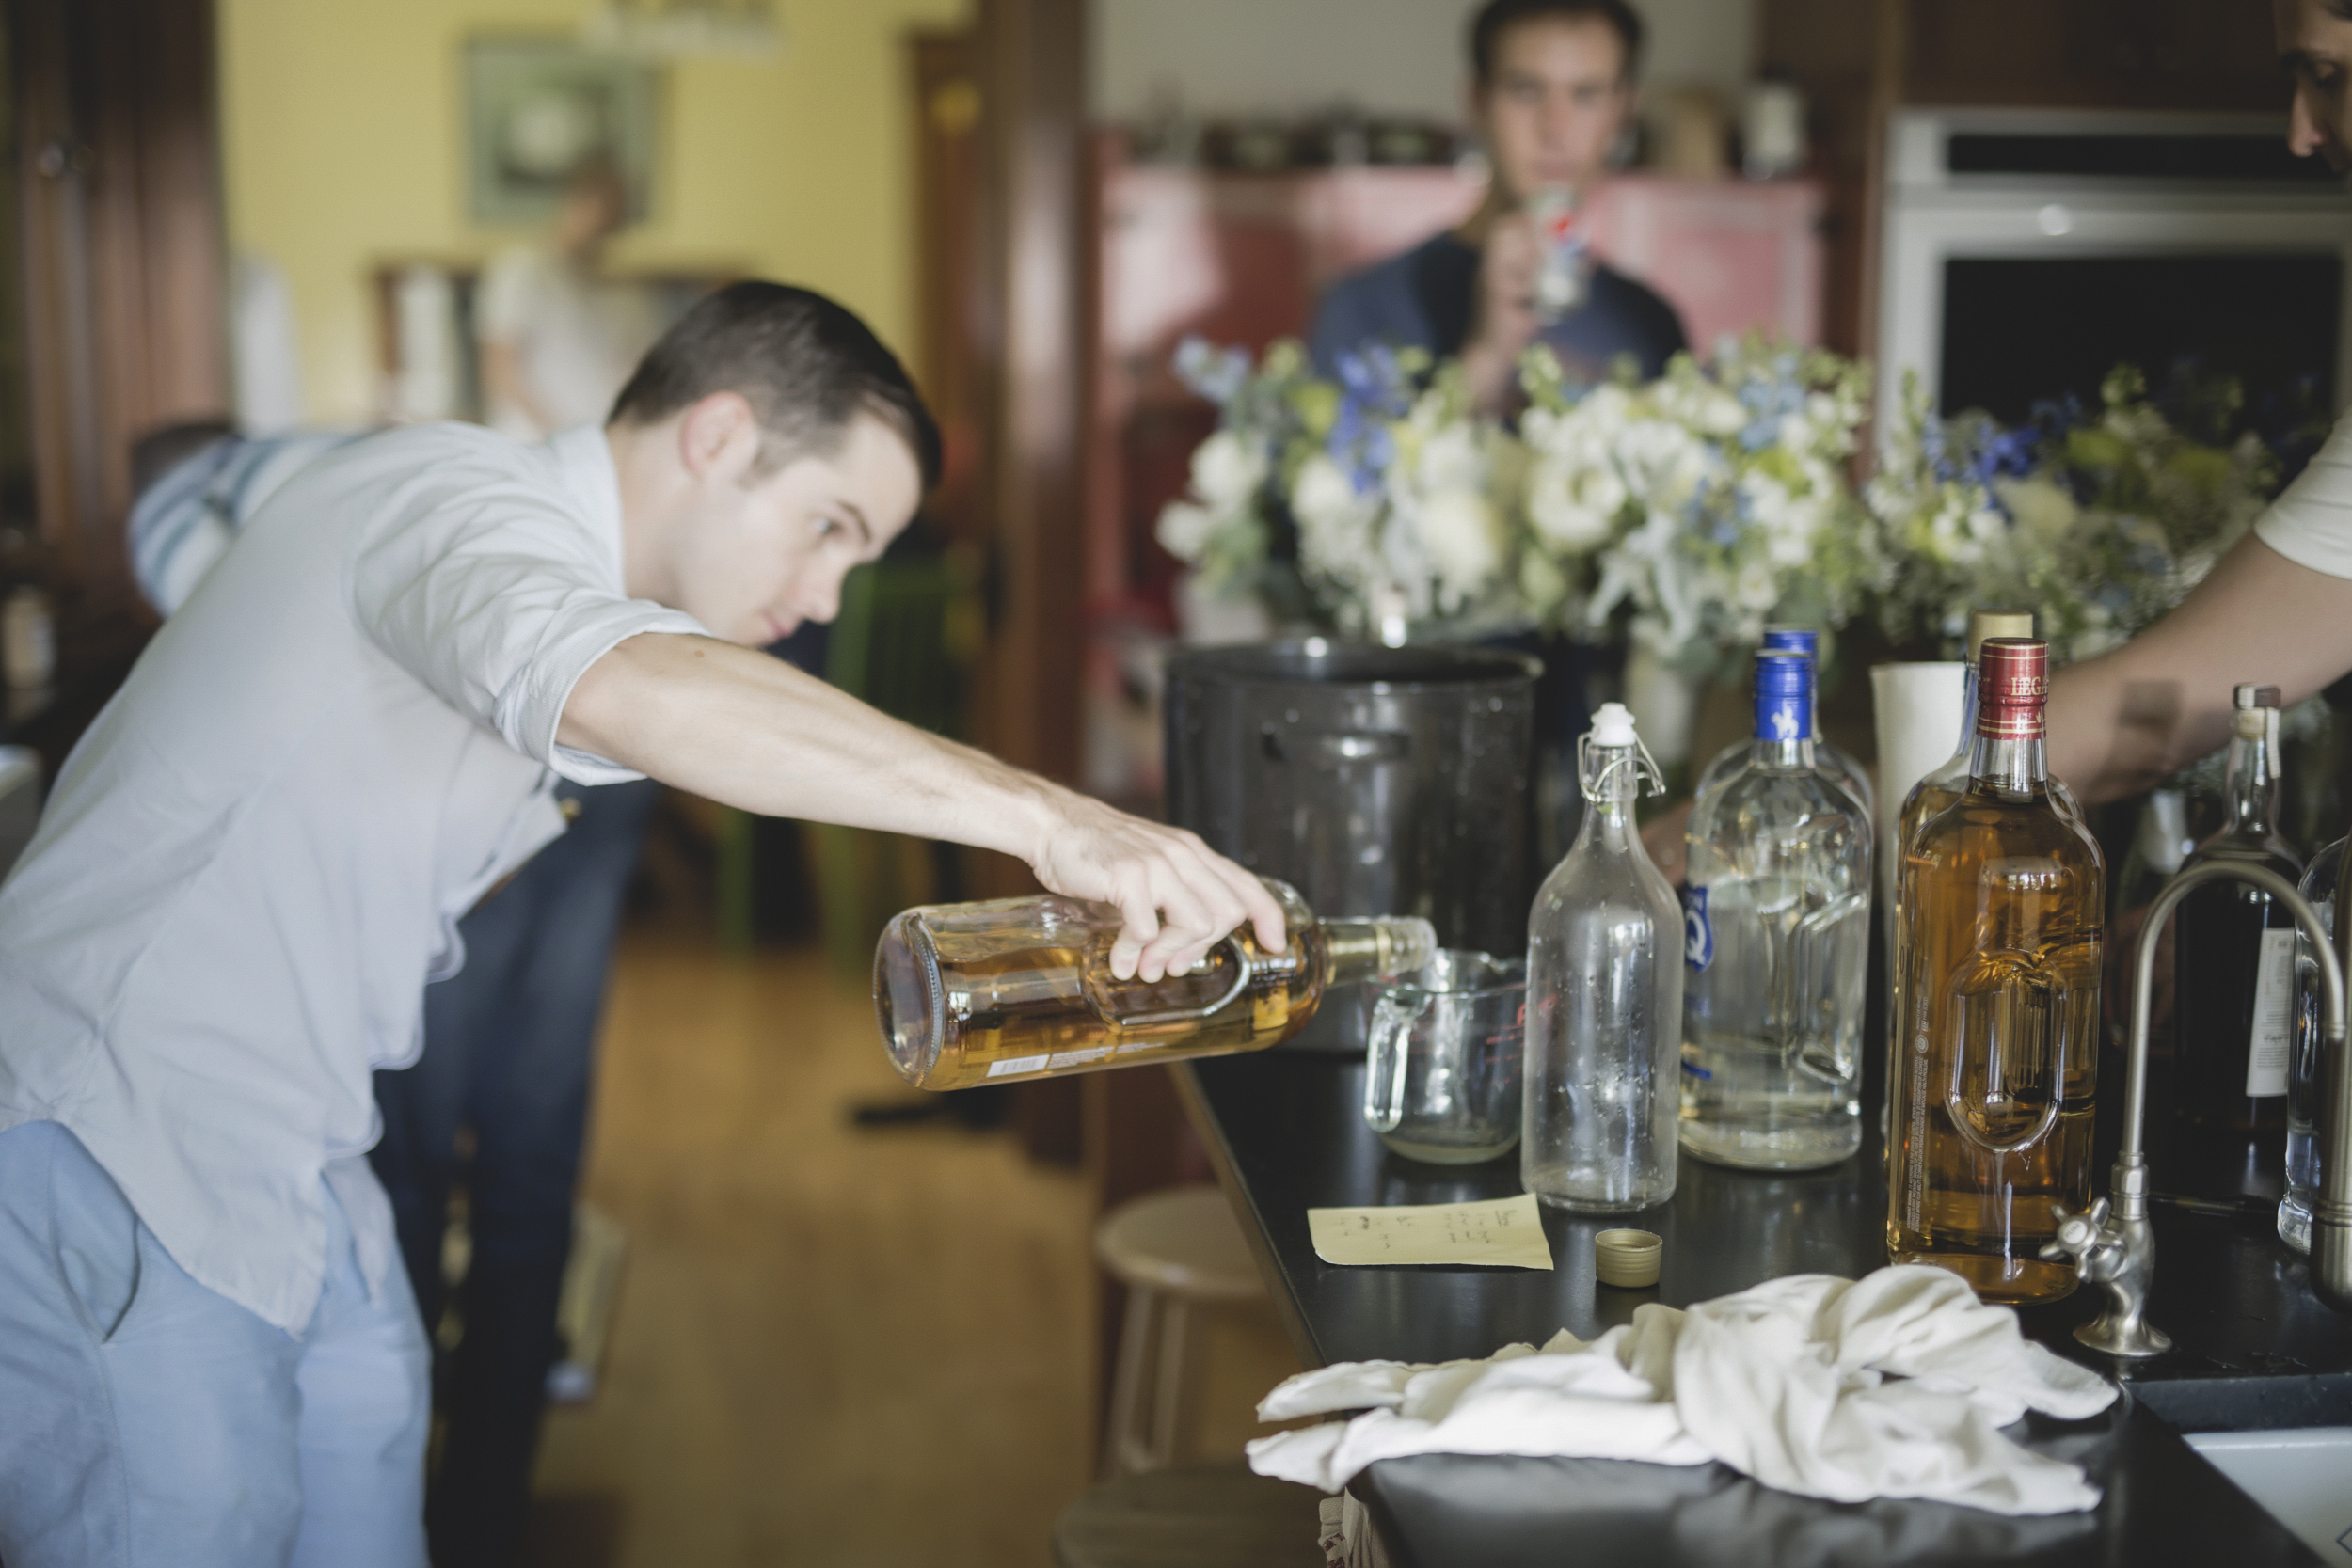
(2112,1245)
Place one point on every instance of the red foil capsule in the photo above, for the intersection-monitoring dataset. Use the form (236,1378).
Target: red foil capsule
(2012,683)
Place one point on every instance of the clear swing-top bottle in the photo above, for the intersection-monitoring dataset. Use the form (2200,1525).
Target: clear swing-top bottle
(1604,999)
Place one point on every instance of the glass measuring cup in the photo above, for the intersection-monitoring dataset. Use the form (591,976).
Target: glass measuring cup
(1442,1068)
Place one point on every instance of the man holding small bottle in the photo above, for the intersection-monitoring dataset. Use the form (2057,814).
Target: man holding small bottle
(1552,92)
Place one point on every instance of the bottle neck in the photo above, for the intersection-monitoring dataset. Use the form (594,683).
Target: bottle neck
(2249,787)
(1781,754)
(1359,950)
(1609,811)
(2012,764)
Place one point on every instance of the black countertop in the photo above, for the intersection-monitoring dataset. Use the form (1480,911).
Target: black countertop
(2254,1348)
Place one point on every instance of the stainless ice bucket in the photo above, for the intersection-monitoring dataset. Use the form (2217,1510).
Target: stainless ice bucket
(1376,781)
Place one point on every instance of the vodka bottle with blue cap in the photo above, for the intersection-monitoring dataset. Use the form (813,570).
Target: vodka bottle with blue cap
(1776,910)
(1832,760)
(1604,999)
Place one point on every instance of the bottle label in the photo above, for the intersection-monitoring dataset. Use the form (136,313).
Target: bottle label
(1782,716)
(1005,1066)
(1698,936)
(2273,1036)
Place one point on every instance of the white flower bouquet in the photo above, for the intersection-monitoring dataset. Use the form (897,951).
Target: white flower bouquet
(1688,512)
(1379,493)
(1711,502)
(1698,507)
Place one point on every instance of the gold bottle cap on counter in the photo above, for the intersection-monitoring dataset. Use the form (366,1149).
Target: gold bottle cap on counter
(1627,1258)
(1995,623)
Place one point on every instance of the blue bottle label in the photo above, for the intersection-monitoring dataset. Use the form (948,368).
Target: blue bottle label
(1698,936)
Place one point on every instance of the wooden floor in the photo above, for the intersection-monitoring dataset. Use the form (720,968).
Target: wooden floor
(832,1346)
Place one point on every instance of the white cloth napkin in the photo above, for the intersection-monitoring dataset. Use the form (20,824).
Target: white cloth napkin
(1787,1382)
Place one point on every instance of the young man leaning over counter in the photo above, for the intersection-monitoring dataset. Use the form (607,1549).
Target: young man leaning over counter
(253,862)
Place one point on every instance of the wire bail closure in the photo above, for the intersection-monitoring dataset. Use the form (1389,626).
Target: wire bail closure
(1645,769)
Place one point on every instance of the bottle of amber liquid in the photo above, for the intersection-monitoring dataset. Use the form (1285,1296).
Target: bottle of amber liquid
(2235,987)
(1936,791)
(2000,910)
(1022,988)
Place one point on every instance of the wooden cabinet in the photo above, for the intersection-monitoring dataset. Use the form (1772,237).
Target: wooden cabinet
(2168,54)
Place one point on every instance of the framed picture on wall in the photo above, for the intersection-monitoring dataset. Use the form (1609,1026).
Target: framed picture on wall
(539,108)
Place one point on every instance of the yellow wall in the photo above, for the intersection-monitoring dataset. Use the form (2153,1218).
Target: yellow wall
(343,140)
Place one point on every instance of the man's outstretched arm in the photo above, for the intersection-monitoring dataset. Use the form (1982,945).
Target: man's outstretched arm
(749,731)
(2132,719)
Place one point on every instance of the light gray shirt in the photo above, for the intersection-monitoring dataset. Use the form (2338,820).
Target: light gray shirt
(2311,523)
(256,859)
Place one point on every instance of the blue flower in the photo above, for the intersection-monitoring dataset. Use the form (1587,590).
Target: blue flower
(2008,453)
(1218,376)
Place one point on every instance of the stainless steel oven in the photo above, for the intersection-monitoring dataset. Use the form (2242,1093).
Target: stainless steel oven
(2026,253)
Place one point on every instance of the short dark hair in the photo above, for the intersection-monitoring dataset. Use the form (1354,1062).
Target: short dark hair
(1487,28)
(807,366)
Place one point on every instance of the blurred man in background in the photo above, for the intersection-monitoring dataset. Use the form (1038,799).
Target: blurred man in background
(1552,92)
(558,337)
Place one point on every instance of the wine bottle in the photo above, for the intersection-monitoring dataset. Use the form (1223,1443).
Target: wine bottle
(2000,913)
(2235,986)
(1776,907)
(1016,988)
(1604,999)
(2307,1073)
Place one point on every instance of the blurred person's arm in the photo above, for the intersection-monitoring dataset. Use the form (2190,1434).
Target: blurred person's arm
(1503,316)
(503,383)
(2130,720)
(503,313)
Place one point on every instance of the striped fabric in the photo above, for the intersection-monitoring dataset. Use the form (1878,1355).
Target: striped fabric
(183,522)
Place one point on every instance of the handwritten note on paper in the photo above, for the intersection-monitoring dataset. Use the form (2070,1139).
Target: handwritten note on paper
(1506,1234)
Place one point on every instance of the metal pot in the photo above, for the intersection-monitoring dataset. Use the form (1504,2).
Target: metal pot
(1376,781)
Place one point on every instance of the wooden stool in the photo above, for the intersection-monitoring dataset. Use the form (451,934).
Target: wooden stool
(1200,1516)
(1174,1250)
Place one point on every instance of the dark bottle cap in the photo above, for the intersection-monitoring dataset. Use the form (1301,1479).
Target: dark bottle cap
(2254,696)
(2012,681)
(1795,640)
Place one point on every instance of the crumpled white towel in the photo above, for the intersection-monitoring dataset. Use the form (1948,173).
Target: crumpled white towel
(1786,1383)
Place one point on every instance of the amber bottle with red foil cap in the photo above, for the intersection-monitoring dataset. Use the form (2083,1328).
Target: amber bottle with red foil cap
(2000,904)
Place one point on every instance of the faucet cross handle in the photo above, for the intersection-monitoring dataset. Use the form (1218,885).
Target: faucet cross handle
(2120,1256)
(2083,1238)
